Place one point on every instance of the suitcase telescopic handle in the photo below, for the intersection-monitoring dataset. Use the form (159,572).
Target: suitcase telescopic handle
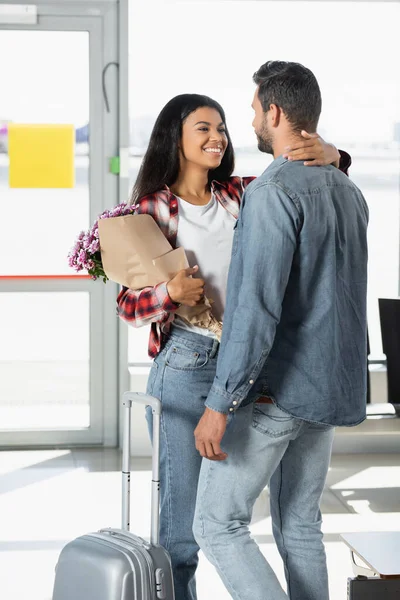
(128,399)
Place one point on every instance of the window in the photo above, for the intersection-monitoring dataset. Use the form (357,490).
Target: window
(214,48)
(51,87)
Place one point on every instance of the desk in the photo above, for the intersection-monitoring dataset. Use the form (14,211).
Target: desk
(380,579)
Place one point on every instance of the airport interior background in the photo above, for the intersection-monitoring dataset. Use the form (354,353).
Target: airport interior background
(103,69)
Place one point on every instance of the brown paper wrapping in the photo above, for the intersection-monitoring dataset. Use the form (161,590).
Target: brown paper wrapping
(136,254)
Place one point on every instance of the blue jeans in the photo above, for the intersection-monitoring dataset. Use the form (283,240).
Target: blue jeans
(266,445)
(181,377)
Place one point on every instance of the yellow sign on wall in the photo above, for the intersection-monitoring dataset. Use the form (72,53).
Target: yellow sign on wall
(41,156)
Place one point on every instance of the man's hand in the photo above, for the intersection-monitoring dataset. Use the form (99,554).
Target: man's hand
(209,433)
(314,151)
(184,289)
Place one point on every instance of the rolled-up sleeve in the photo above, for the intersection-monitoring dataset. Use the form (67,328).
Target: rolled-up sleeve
(345,162)
(263,249)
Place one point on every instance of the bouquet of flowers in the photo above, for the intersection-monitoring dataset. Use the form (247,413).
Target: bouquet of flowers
(132,251)
(85,254)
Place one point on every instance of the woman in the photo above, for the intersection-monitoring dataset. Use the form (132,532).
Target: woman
(185,183)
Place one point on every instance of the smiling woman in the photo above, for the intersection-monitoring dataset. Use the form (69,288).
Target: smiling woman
(210,136)
(187,126)
(203,145)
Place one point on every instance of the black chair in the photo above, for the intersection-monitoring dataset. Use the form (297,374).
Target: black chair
(389,311)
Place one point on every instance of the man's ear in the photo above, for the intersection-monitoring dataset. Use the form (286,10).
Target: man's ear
(275,115)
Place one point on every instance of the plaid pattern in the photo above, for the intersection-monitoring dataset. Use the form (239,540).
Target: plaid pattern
(152,305)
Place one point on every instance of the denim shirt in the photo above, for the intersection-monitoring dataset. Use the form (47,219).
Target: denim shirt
(295,324)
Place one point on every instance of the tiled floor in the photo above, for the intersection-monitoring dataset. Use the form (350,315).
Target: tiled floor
(49,497)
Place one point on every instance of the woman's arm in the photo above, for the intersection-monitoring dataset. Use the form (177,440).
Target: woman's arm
(142,307)
(153,304)
(316,152)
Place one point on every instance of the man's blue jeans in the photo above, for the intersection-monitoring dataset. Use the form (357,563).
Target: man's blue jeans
(266,446)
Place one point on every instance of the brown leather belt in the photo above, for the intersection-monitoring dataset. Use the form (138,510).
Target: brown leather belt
(264,400)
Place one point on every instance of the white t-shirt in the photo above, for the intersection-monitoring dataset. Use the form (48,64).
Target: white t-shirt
(206,234)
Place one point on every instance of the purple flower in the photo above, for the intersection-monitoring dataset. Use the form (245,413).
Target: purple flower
(116,211)
(94,246)
(82,257)
(86,242)
(129,209)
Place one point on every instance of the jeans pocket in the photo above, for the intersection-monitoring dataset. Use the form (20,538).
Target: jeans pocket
(272,421)
(183,358)
(321,427)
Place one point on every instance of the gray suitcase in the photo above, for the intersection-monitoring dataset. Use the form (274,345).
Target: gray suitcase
(113,564)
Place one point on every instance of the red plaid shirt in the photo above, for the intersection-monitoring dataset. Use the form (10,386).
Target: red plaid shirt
(152,305)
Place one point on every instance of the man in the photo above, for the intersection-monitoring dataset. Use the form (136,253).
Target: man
(293,355)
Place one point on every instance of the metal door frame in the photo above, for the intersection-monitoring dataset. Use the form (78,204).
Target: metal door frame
(107,24)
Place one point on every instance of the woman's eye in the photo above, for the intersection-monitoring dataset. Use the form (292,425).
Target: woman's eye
(203,128)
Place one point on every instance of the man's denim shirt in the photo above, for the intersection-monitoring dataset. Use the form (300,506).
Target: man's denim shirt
(295,324)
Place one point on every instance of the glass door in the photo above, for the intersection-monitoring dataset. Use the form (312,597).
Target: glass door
(54,371)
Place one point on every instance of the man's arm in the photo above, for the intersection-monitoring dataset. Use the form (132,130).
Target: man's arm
(263,251)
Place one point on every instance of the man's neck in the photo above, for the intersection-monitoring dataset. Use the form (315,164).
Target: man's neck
(284,141)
